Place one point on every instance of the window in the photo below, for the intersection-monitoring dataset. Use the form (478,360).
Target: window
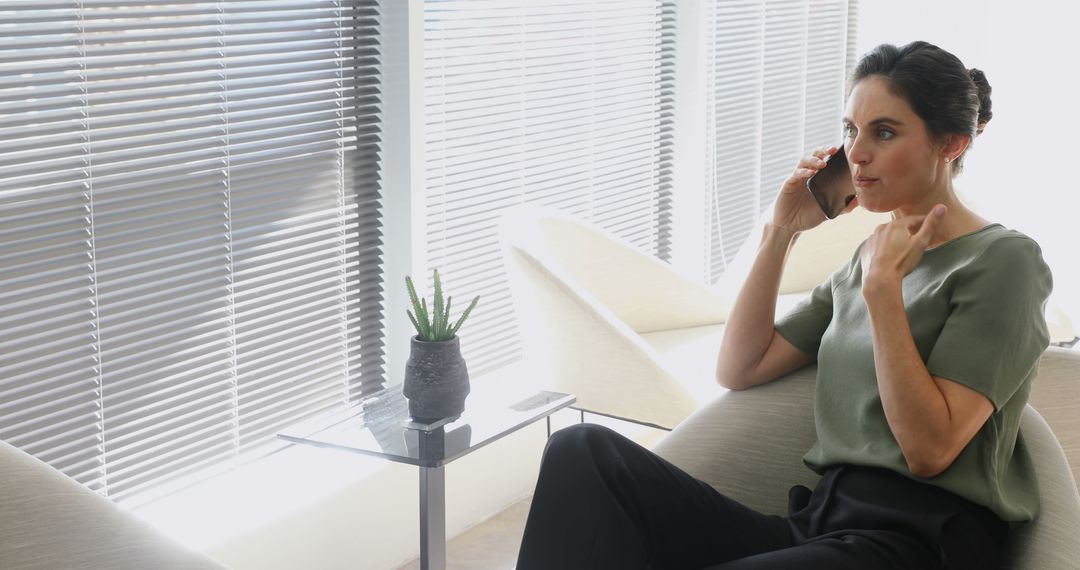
(189,229)
(191,207)
(558,102)
(775,90)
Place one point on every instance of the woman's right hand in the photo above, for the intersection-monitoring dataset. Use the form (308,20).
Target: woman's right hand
(795,208)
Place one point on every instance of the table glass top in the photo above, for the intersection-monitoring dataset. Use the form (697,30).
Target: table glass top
(380,426)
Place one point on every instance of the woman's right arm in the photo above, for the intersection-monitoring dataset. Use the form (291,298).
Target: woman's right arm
(752,352)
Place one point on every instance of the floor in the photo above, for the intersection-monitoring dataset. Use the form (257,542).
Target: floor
(493,544)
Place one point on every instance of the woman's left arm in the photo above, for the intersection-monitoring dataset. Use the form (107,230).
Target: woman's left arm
(932,418)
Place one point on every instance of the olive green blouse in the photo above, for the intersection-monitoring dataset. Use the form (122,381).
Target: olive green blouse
(976,310)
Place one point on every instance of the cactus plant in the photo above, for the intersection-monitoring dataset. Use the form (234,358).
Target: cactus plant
(436,327)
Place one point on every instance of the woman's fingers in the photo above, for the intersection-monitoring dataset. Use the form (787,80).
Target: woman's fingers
(911,223)
(929,225)
(817,158)
(811,161)
(807,167)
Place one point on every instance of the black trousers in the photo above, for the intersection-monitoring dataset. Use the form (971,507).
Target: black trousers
(602,501)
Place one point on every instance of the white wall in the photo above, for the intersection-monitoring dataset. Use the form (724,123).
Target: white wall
(1022,169)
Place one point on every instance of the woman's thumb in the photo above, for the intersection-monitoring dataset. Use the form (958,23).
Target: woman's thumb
(929,225)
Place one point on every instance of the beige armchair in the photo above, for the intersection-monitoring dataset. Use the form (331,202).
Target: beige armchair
(49,522)
(749,445)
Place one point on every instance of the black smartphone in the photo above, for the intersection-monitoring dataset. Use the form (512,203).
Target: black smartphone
(831,186)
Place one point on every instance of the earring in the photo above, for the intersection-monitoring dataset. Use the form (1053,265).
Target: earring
(947,160)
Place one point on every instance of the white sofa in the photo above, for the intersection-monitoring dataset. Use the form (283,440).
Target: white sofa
(627,334)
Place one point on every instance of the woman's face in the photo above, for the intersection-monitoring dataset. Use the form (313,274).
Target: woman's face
(894,164)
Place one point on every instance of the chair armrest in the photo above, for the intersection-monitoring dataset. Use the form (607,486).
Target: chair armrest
(49,521)
(749,443)
(577,345)
(645,293)
(1055,393)
(1049,542)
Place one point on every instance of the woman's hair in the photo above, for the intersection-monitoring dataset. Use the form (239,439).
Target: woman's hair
(948,97)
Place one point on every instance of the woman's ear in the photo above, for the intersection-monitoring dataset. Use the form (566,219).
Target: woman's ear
(954,146)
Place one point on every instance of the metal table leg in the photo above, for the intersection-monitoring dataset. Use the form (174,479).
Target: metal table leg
(432,518)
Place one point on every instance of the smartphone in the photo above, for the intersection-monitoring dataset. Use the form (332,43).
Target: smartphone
(831,186)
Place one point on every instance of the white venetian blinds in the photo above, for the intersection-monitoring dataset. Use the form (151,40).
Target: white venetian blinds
(559,102)
(189,228)
(775,90)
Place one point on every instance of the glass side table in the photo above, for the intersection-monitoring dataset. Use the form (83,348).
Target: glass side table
(380,426)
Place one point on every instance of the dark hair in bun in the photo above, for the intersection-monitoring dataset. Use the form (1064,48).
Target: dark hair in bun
(948,97)
(985,106)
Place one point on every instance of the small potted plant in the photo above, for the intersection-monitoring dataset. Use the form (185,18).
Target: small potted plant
(436,378)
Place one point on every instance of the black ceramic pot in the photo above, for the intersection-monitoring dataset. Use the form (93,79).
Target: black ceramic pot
(436,380)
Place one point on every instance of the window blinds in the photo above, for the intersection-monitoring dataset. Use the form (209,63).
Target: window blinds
(189,228)
(776,72)
(557,102)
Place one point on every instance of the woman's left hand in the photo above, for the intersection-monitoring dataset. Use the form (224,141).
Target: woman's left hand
(895,248)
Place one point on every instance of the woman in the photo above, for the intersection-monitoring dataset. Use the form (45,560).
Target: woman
(926,343)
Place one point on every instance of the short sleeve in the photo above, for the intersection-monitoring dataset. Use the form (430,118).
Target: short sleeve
(804,325)
(996,329)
